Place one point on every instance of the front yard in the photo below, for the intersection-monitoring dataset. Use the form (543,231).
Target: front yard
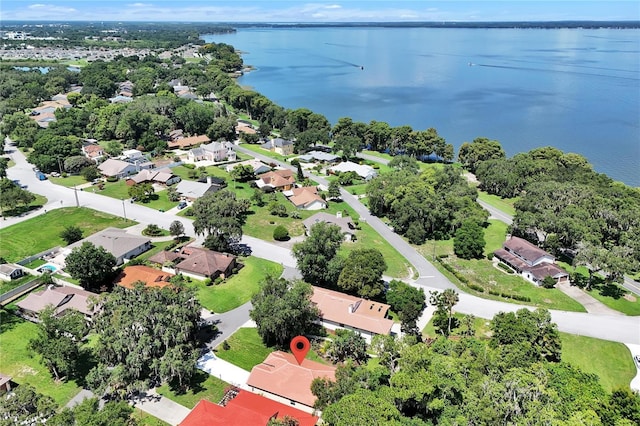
(43,232)
(202,386)
(237,289)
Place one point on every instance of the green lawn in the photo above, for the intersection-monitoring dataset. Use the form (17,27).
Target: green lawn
(247,350)
(160,201)
(239,288)
(119,190)
(203,386)
(43,232)
(611,361)
(503,204)
(69,181)
(156,247)
(144,419)
(17,361)
(256,148)
(480,325)
(494,235)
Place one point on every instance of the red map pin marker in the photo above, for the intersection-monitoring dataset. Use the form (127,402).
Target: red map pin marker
(300,347)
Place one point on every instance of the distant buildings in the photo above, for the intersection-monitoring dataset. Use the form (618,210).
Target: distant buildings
(362,170)
(279,146)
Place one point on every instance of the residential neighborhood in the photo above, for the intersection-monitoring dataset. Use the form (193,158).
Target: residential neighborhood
(182,240)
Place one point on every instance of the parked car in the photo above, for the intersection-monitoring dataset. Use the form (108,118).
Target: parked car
(182,205)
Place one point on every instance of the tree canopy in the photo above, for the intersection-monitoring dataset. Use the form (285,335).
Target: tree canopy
(283,310)
(91,265)
(220,217)
(316,255)
(147,336)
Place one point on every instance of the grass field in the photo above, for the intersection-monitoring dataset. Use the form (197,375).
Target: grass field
(69,181)
(17,361)
(611,361)
(118,190)
(160,201)
(144,419)
(247,350)
(256,148)
(503,204)
(239,288)
(203,386)
(43,232)
(494,235)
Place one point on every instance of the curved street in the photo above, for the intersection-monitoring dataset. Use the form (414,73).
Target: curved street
(618,328)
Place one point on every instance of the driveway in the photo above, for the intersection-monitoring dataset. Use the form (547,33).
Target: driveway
(224,370)
(158,406)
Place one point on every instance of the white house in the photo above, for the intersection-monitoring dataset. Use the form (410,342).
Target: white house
(258,166)
(132,154)
(10,271)
(214,151)
(362,170)
(530,261)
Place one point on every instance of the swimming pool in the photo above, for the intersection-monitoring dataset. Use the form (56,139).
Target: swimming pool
(48,267)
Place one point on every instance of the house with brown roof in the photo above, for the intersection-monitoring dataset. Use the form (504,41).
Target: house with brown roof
(530,261)
(281,180)
(162,176)
(151,277)
(242,408)
(343,311)
(61,298)
(117,168)
(196,262)
(281,378)
(306,198)
(188,142)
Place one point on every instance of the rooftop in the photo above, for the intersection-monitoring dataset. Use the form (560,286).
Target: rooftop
(150,276)
(281,375)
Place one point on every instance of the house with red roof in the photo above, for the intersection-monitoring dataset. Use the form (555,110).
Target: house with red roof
(343,311)
(280,378)
(244,408)
(151,277)
(530,261)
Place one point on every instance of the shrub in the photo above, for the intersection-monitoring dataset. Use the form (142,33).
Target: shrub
(476,287)
(189,166)
(207,282)
(280,233)
(112,179)
(152,230)
(490,256)
(225,345)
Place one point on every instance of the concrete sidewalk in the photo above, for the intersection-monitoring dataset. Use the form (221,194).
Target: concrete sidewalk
(158,406)
(223,370)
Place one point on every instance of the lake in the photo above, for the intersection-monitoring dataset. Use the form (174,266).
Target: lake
(575,89)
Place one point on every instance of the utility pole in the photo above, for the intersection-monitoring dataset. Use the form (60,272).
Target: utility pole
(75,192)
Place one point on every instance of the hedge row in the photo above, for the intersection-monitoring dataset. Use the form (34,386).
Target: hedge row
(510,296)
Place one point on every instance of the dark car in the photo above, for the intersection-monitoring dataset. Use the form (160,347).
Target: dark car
(182,205)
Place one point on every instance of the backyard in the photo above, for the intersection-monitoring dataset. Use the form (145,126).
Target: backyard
(20,240)
(246,350)
(19,362)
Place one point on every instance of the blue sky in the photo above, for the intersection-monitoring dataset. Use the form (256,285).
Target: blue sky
(318,10)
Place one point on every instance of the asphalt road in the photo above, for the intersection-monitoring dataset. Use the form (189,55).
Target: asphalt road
(620,328)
